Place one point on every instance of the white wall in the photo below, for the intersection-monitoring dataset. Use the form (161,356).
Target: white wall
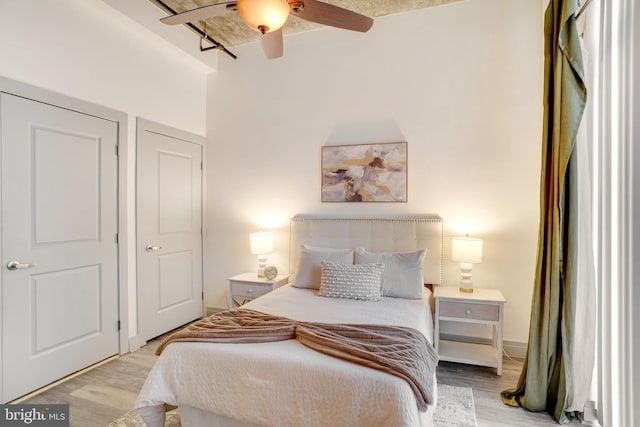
(86,49)
(461,83)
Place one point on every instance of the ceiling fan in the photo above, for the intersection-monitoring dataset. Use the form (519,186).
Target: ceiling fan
(268,16)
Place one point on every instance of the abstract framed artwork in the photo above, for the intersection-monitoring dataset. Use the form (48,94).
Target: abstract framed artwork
(365,172)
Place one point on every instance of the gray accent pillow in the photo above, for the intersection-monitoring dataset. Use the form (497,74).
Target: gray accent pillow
(308,272)
(361,282)
(402,271)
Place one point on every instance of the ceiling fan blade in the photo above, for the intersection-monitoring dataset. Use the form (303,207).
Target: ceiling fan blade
(272,44)
(200,13)
(328,14)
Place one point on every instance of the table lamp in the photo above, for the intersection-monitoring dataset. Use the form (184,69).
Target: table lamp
(467,251)
(261,245)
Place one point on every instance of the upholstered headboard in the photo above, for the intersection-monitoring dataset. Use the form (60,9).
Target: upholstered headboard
(394,234)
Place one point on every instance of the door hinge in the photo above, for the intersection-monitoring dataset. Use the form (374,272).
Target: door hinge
(118,325)
(117,150)
(202,295)
(117,238)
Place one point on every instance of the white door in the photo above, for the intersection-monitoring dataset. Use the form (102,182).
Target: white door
(169,228)
(59,250)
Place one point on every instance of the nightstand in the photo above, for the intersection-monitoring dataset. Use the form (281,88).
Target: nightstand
(482,306)
(248,286)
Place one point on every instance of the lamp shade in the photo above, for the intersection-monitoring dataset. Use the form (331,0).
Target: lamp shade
(264,16)
(466,249)
(261,243)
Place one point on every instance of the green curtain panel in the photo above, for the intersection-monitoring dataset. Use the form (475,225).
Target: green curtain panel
(545,376)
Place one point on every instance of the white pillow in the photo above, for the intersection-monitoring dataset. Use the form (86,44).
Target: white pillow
(308,272)
(402,276)
(360,282)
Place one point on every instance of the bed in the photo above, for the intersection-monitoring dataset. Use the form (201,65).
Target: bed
(285,383)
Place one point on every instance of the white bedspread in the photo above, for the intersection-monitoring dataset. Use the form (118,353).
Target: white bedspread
(285,383)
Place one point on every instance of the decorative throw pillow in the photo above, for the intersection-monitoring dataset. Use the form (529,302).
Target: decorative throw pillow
(308,272)
(402,271)
(361,282)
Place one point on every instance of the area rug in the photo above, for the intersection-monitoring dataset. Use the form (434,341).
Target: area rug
(455,409)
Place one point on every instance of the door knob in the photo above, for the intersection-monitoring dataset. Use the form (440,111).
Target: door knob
(151,248)
(15,265)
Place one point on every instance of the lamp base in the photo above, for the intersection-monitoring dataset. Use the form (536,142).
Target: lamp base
(466,285)
(262,263)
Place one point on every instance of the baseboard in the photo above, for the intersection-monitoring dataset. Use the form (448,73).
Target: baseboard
(511,349)
(515,349)
(135,343)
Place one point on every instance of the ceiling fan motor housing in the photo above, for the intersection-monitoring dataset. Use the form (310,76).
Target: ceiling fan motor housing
(264,16)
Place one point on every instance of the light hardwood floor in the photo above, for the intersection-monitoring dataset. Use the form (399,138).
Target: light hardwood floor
(486,386)
(102,394)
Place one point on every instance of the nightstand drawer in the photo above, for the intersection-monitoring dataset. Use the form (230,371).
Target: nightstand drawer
(250,290)
(463,310)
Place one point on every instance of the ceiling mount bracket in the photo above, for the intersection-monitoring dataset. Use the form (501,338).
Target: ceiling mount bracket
(212,44)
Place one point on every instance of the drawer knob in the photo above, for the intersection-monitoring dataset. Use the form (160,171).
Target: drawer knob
(468,311)
(250,291)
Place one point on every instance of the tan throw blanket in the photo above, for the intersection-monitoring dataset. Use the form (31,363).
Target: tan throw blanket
(400,351)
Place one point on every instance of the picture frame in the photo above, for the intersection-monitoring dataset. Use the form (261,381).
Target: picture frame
(365,173)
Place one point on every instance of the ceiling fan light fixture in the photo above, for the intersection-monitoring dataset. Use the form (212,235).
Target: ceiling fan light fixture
(264,16)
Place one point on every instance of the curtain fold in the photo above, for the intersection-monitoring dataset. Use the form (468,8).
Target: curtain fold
(546,376)
(586,306)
